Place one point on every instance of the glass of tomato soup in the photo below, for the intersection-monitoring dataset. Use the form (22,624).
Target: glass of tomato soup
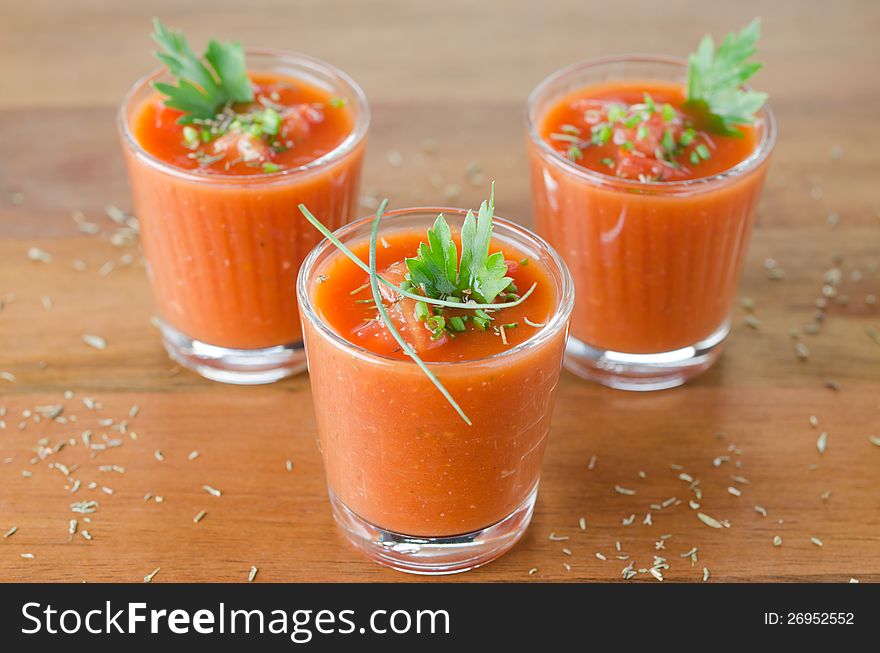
(217,199)
(650,209)
(411,484)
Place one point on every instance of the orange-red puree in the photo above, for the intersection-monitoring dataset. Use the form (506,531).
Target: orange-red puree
(225,241)
(655,265)
(395,452)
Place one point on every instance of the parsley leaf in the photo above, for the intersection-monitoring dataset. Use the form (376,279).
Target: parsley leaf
(201,91)
(438,272)
(716,78)
(483,275)
(435,268)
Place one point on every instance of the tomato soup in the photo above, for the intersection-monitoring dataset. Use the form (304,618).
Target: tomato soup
(396,453)
(217,198)
(650,209)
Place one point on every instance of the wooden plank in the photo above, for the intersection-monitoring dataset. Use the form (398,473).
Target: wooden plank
(60,152)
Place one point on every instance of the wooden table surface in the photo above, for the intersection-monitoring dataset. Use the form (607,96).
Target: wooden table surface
(456,73)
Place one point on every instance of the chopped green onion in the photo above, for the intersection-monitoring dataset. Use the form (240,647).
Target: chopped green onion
(687,137)
(668,141)
(601,133)
(191,137)
(456,323)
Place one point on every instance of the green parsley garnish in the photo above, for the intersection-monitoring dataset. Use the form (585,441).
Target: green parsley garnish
(268,167)
(456,284)
(479,275)
(338,102)
(202,90)
(716,78)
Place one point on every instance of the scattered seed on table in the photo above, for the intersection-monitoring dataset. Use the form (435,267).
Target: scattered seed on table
(86,535)
(27,556)
(149,577)
(592,464)
(553,537)
(212,490)
(816,541)
(705,574)
(94,341)
(814,421)
(582,523)
(601,556)
(288,465)
(193,455)
(874,439)
(533,571)
(777,541)
(37,254)
(199,517)
(84,507)
(133,411)
(72,526)
(734,491)
(252,574)
(159,455)
(709,521)
(10,532)
(822,442)
(623,490)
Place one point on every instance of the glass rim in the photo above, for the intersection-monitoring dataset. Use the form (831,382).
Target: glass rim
(758,156)
(351,141)
(558,320)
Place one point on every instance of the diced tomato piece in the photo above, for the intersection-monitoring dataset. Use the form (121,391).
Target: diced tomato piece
(238,144)
(297,121)
(402,312)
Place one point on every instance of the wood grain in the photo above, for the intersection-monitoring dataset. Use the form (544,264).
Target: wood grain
(458,73)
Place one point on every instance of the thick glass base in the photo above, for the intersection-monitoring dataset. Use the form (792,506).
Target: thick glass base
(644,372)
(238,366)
(434,555)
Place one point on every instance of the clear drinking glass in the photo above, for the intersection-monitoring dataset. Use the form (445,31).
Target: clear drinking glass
(655,264)
(412,485)
(223,251)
